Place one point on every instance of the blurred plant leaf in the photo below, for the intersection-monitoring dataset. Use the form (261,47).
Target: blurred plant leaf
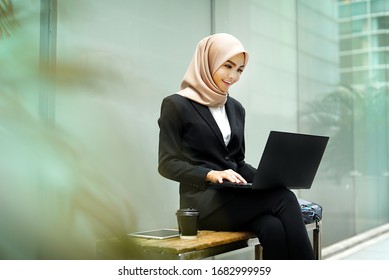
(8,22)
(50,186)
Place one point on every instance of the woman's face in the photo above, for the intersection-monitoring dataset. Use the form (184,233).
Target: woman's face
(229,73)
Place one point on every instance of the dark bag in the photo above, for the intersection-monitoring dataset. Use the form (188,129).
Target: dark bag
(311,211)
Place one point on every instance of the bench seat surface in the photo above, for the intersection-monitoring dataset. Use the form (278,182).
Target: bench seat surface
(205,239)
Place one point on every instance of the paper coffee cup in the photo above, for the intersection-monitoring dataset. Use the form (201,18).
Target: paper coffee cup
(188,222)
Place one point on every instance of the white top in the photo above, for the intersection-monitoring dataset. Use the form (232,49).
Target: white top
(220,116)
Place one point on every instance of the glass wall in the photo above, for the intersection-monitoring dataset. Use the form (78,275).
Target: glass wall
(21,131)
(364,71)
(88,135)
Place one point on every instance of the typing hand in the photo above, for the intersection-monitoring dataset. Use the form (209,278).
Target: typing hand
(225,175)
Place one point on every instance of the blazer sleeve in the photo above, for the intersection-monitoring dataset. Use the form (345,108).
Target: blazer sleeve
(171,163)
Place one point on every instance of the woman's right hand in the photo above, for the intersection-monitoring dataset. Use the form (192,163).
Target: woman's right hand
(220,176)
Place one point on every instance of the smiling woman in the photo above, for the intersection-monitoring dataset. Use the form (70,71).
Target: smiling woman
(201,140)
(212,58)
(229,73)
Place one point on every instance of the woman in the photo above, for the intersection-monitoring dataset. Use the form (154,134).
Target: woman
(202,140)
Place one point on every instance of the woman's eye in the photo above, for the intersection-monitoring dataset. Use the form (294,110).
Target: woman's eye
(228,66)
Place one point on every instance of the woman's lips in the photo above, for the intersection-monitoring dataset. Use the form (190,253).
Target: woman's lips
(228,84)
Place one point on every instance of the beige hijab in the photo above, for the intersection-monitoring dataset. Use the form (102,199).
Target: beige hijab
(210,54)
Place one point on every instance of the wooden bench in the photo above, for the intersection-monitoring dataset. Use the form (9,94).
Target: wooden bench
(207,244)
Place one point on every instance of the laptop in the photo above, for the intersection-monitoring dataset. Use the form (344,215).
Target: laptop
(289,160)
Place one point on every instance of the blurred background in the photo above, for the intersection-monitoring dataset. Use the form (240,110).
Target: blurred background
(81,83)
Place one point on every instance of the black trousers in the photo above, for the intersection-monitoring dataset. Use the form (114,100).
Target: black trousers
(274,216)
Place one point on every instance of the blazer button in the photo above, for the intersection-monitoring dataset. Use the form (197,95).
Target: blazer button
(227,158)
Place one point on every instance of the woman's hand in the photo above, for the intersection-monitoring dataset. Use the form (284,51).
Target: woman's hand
(229,175)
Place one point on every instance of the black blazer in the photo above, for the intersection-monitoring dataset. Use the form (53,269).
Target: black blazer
(191,144)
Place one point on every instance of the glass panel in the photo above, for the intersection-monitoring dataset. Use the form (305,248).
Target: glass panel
(357,127)
(368,122)
(383,22)
(346,78)
(355,77)
(379,6)
(269,35)
(380,23)
(380,58)
(348,61)
(345,11)
(371,151)
(361,76)
(354,43)
(359,8)
(23,135)
(353,9)
(116,61)
(380,40)
(354,26)
(380,75)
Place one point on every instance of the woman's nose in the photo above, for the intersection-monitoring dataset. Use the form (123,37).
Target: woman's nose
(232,75)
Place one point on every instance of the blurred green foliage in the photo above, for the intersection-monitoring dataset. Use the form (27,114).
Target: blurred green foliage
(55,199)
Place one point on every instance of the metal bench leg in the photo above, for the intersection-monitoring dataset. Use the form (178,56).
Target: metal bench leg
(317,241)
(258,252)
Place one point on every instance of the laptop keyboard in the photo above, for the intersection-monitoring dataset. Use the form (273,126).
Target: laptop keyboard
(229,184)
